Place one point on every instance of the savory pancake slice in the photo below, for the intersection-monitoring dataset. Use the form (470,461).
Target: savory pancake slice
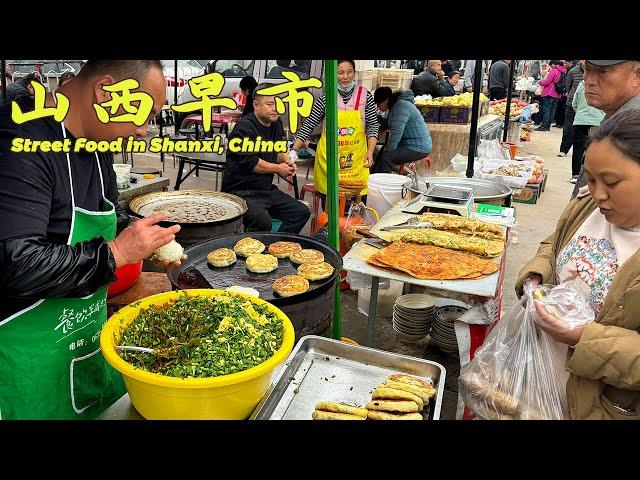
(376,415)
(290,285)
(373,260)
(454,241)
(248,246)
(446,221)
(386,393)
(261,263)
(322,415)
(307,255)
(400,406)
(315,270)
(342,408)
(284,249)
(222,257)
(423,393)
(404,378)
(433,263)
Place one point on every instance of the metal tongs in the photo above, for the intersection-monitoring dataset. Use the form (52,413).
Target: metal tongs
(412,222)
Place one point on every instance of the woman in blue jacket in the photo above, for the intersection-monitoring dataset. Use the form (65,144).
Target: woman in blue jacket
(409,139)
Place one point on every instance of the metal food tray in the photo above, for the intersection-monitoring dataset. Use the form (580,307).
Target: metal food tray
(447,192)
(321,369)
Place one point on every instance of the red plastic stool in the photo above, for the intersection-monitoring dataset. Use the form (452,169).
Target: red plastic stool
(315,205)
(412,166)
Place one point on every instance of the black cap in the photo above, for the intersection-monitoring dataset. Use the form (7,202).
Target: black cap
(606,63)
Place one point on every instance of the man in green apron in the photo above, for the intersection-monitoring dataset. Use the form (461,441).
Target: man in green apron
(61,239)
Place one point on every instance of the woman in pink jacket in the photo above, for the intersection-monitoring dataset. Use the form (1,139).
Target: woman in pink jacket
(550,95)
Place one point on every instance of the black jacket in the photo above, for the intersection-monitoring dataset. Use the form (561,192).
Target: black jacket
(35,261)
(428,83)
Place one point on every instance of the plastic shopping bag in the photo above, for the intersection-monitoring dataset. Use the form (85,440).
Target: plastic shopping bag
(567,302)
(492,149)
(516,374)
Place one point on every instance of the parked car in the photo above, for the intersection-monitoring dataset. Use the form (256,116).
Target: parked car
(187,69)
(262,70)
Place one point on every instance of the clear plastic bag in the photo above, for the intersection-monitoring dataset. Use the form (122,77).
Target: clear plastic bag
(492,149)
(517,373)
(567,302)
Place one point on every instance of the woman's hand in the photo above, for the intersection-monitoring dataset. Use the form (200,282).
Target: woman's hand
(559,332)
(368,159)
(166,263)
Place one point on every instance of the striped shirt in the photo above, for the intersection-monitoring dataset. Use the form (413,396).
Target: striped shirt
(317,115)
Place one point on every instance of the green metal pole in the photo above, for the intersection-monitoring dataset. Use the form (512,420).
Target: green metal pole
(331,116)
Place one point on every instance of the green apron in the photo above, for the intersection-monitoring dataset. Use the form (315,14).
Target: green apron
(51,366)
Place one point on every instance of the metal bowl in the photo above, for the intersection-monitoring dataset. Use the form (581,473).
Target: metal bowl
(484,191)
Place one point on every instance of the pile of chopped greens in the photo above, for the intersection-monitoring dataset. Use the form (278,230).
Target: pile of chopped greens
(202,336)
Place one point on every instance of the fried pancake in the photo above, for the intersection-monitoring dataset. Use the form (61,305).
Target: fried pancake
(454,241)
(315,270)
(261,263)
(433,263)
(386,393)
(375,415)
(222,257)
(423,393)
(284,249)
(248,246)
(404,378)
(373,260)
(342,408)
(307,255)
(290,285)
(322,415)
(400,406)
(446,221)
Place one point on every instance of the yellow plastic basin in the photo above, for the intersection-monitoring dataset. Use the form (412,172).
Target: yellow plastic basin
(160,397)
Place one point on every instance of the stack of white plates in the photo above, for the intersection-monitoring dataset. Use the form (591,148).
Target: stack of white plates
(412,316)
(443,334)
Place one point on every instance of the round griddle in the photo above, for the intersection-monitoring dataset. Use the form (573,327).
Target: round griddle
(197,273)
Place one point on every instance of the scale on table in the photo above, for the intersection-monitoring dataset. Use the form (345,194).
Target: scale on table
(440,198)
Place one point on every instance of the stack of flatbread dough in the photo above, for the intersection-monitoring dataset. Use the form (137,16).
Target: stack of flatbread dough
(431,263)
(400,397)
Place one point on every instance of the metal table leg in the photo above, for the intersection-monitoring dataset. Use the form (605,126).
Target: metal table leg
(373,307)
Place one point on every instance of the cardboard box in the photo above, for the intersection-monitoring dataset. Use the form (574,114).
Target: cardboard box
(430,113)
(461,115)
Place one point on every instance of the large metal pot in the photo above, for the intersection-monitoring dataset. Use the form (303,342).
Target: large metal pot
(484,191)
(195,208)
(311,312)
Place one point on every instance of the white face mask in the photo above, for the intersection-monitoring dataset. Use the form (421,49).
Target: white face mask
(383,114)
(348,88)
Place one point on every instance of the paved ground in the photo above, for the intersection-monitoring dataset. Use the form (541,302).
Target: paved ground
(535,222)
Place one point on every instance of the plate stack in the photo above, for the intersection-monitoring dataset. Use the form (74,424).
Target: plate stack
(443,334)
(412,316)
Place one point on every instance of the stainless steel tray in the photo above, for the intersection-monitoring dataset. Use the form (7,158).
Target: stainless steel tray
(449,192)
(321,369)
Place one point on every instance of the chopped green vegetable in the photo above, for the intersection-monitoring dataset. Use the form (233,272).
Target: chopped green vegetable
(203,336)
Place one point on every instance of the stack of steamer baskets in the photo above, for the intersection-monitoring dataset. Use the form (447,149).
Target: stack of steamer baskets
(412,316)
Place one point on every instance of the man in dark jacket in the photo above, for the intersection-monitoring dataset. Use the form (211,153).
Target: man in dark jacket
(62,237)
(612,86)
(249,174)
(431,81)
(574,77)
(499,77)
(21,88)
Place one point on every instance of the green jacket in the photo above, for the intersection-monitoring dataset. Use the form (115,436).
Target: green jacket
(585,115)
(605,364)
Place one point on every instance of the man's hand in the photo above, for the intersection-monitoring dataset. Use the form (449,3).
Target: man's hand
(286,169)
(535,279)
(140,239)
(167,264)
(440,73)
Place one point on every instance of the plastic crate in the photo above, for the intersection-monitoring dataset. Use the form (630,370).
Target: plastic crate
(430,113)
(394,78)
(365,78)
(461,115)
